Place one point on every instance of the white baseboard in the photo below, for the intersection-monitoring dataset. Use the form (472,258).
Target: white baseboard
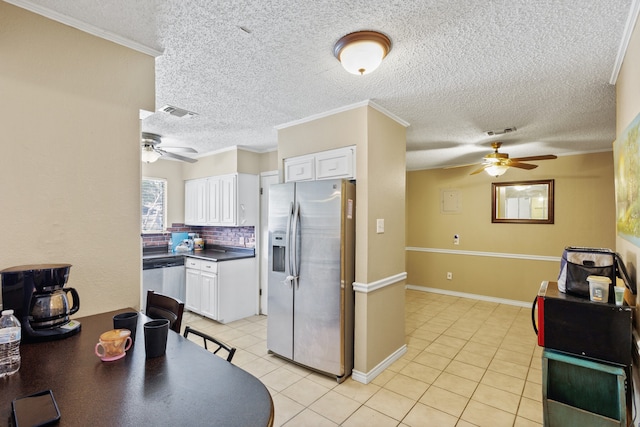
(471,296)
(367,377)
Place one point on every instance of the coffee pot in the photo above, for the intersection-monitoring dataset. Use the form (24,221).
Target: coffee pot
(40,301)
(51,309)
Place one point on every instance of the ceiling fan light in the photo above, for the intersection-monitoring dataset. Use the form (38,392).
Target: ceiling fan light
(362,52)
(496,170)
(149,155)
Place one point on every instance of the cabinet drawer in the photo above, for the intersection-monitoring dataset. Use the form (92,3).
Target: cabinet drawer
(210,266)
(192,263)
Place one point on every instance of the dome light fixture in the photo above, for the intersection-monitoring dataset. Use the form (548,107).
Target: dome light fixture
(362,52)
(496,170)
(149,155)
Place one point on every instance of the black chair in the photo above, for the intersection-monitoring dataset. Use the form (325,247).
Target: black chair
(208,338)
(161,306)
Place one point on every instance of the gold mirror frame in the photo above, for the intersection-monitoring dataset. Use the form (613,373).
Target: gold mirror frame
(537,200)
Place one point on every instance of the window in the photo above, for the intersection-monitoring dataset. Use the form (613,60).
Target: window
(154,202)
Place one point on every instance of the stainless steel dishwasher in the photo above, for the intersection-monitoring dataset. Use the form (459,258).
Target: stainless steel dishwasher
(164,275)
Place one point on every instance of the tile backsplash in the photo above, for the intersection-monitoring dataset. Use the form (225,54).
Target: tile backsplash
(224,236)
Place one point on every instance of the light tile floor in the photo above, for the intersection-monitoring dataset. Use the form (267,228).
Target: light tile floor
(468,363)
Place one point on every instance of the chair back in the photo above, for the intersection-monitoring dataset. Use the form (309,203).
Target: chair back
(209,339)
(161,306)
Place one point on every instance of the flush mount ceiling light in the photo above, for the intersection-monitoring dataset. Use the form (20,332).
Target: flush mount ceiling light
(362,52)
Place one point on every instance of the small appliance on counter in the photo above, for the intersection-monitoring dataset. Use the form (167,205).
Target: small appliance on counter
(178,239)
(198,244)
(37,295)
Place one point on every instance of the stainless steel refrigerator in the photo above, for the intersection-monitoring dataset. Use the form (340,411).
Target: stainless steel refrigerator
(311,274)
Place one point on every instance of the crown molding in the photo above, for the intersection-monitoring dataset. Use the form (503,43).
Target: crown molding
(632,19)
(365,103)
(87,28)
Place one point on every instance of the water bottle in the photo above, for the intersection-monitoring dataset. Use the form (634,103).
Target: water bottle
(10,332)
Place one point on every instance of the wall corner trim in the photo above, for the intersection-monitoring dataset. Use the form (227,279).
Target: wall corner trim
(367,377)
(378,284)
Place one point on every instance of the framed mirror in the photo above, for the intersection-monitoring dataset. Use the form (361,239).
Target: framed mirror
(522,202)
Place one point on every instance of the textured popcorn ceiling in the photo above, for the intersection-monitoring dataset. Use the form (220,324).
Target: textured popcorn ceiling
(456,68)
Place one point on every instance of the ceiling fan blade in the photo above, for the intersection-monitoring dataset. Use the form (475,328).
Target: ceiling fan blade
(519,165)
(531,158)
(480,169)
(179,149)
(176,156)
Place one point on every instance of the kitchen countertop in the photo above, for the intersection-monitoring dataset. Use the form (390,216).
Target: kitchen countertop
(215,253)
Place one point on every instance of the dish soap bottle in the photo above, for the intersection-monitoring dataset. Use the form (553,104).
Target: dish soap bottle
(170,246)
(10,333)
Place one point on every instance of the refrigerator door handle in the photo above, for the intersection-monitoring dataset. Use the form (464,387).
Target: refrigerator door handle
(288,280)
(295,253)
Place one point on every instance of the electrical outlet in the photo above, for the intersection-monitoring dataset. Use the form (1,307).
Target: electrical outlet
(456,239)
(449,275)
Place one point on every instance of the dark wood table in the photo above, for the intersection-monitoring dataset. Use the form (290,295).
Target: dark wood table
(188,386)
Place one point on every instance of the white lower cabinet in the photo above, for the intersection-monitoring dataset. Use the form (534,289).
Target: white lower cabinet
(223,291)
(193,283)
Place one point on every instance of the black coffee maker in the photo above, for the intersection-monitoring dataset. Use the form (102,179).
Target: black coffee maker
(38,298)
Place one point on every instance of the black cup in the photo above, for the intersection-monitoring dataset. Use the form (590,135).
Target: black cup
(155,337)
(128,321)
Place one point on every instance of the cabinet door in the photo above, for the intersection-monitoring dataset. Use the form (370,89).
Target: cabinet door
(335,164)
(190,202)
(299,169)
(228,199)
(193,284)
(201,205)
(209,295)
(195,197)
(214,208)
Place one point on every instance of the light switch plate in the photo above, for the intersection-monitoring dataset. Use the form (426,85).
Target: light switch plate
(380,225)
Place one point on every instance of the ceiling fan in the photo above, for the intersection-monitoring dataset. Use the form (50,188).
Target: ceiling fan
(496,164)
(151,152)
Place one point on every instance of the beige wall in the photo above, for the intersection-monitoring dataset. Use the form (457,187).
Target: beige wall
(382,174)
(584,214)
(380,192)
(70,155)
(628,107)
(269,161)
(220,163)
(233,160)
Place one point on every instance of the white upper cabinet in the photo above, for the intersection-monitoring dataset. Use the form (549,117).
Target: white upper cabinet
(338,163)
(299,169)
(213,200)
(195,209)
(227,200)
(229,208)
